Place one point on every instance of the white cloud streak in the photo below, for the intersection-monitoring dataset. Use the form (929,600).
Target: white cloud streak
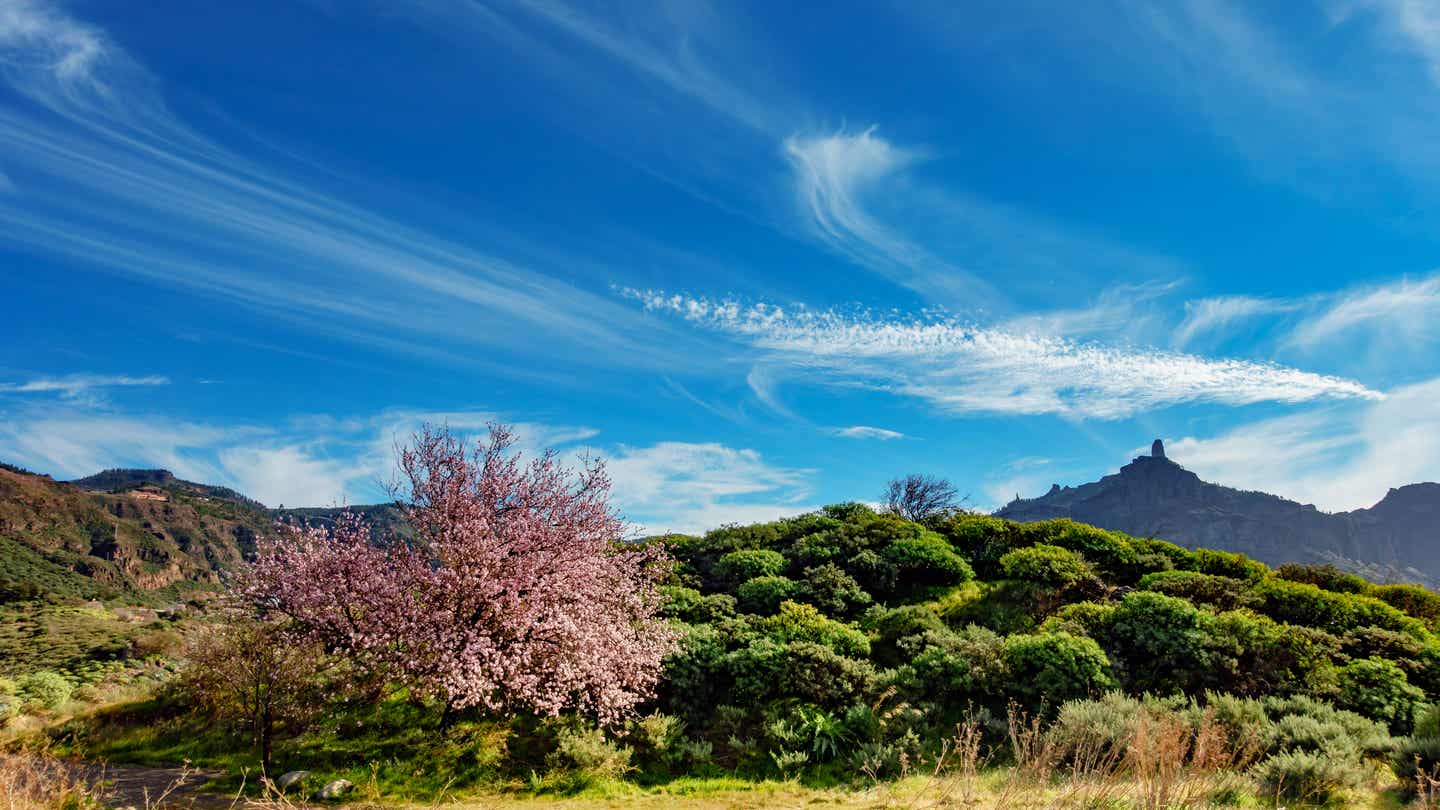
(868,432)
(966,369)
(130,187)
(832,175)
(1337,458)
(1206,316)
(1400,311)
(74,385)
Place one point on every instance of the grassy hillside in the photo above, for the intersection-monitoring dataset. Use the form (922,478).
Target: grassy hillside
(845,647)
(139,536)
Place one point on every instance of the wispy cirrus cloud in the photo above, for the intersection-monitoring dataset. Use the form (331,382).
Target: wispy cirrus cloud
(74,385)
(131,187)
(1406,309)
(833,174)
(968,369)
(1380,325)
(868,432)
(1339,458)
(1206,316)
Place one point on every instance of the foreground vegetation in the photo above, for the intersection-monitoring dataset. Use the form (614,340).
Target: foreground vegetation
(844,656)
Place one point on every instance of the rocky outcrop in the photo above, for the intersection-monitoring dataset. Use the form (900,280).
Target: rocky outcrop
(1398,539)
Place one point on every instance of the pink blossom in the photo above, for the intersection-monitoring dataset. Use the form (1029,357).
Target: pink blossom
(516,593)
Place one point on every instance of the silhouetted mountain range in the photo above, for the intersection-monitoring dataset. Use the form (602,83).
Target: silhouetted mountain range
(1397,539)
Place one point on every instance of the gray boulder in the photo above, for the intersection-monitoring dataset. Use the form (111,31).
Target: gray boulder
(335,789)
(289,779)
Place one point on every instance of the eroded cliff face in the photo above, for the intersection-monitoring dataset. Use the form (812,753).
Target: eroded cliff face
(1398,539)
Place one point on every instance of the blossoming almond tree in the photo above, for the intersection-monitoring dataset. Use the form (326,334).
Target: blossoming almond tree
(515,594)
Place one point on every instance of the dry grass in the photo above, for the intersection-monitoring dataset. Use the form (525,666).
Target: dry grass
(31,782)
(1160,764)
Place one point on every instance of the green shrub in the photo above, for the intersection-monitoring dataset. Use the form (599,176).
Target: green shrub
(47,689)
(875,573)
(687,605)
(1422,603)
(1300,732)
(1228,564)
(1306,776)
(583,756)
(926,559)
(654,736)
(1254,655)
(954,668)
(1221,592)
(1367,738)
(817,674)
(740,566)
(1177,558)
(1378,689)
(797,622)
(833,591)
(695,672)
(756,671)
(763,595)
(1160,643)
(1082,619)
(10,701)
(1304,604)
(1111,552)
(1094,730)
(1049,566)
(893,626)
(1414,757)
(1326,576)
(1055,667)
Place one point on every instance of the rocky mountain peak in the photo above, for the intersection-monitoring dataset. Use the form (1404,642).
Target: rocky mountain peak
(1154,496)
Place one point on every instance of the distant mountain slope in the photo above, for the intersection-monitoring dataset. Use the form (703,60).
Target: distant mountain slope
(1398,539)
(133,531)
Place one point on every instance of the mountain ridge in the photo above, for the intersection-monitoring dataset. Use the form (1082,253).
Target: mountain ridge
(1153,496)
(136,531)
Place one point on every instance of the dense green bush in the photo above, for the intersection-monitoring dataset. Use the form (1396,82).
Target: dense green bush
(925,559)
(833,591)
(1327,577)
(1051,567)
(1417,601)
(1051,668)
(763,595)
(1378,689)
(1228,564)
(897,625)
(1307,605)
(1416,757)
(583,756)
(689,606)
(746,564)
(797,622)
(1253,655)
(1159,643)
(1220,592)
(956,669)
(1306,776)
(49,690)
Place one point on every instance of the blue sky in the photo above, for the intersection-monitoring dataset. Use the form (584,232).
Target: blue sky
(760,256)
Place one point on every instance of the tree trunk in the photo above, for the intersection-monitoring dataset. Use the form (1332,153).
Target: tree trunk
(267,742)
(449,716)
